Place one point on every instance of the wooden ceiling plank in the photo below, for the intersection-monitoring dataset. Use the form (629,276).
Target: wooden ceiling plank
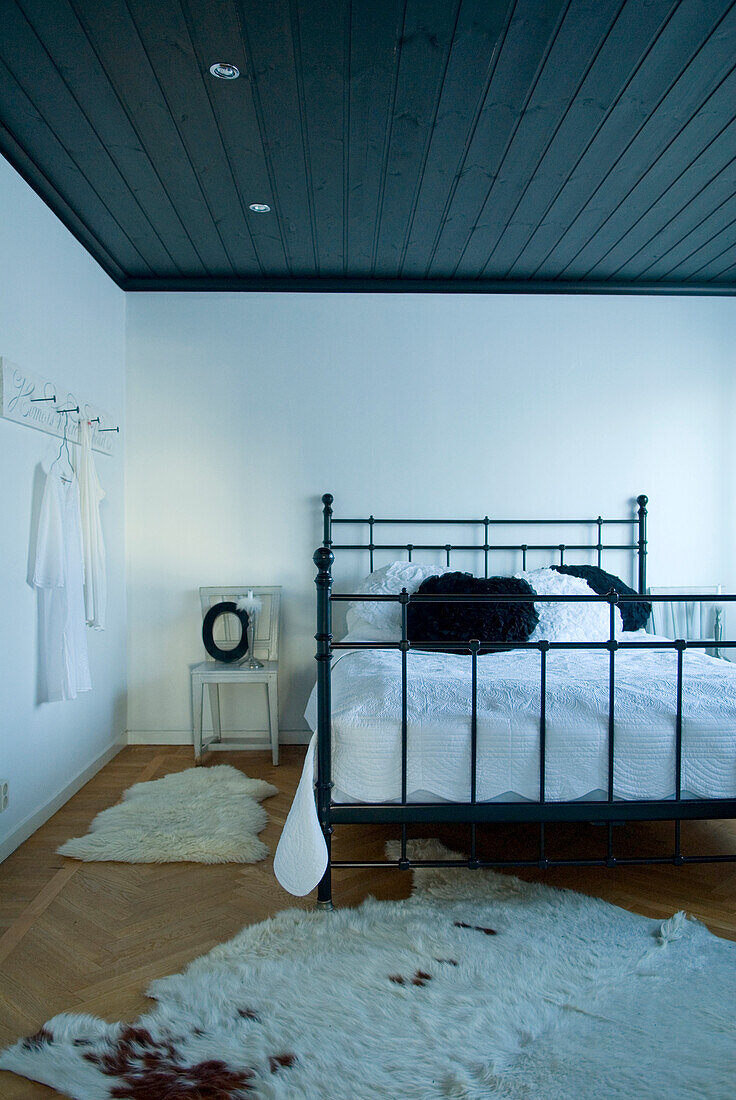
(217,37)
(719,267)
(728,276)
(656,207)
(709,62)
(165,36)
(680,162)
(347,79)
(19,159)
(32,132)
(374,55)
(670,54)
(429,31)
(705,215)
(302,111)
(269,50)
(707,255)
(530,35)
(494,51)
(34,71)
(576,46)
(116,40)
(480,30)
(71,50)
(386,144)
(322,37)
(623,50)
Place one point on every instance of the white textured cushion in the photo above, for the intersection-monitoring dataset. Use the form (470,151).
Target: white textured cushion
(568,622)
(388,581)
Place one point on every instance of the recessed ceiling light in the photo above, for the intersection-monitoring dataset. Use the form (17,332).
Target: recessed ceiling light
(224,71)
(260,208)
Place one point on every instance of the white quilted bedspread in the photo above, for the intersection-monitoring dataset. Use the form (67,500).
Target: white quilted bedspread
(366,731)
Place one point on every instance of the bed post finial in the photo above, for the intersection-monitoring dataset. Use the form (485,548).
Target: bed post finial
(642,500)
(323,559)
(327,500)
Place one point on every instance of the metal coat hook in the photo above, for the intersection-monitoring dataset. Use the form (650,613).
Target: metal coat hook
(35,399)
(96,420)
(75,410)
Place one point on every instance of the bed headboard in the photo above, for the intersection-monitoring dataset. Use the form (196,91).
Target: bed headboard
(636,525)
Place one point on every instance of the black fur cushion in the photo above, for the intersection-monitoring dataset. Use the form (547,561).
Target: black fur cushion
(458,622)
(634,615)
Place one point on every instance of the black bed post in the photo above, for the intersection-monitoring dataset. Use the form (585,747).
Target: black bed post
(642,501)
(327,500)
(323,559)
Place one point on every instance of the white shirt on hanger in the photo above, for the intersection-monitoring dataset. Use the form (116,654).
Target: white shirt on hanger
(93,545)
(59,575)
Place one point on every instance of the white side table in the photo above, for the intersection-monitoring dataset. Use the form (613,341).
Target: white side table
(211,674)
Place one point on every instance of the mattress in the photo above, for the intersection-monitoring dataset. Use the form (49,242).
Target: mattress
(366,725)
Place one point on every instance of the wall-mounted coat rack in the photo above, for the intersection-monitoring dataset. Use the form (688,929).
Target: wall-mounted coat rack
(39,403)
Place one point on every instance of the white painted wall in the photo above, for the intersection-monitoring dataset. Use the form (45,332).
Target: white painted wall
(243,409)
(62,317)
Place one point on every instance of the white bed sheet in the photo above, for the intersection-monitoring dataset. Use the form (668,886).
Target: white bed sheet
(366,730)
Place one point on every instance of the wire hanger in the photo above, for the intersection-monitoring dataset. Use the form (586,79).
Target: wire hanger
(64,447)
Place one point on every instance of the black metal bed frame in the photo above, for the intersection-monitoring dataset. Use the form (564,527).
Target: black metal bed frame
(404,813)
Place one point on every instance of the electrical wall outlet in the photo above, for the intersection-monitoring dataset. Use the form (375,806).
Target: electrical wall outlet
(3,795)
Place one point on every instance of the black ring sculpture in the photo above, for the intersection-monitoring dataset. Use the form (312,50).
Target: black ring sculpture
(214,613)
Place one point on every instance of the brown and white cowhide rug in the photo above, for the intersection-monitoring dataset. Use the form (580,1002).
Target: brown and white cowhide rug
(478,986)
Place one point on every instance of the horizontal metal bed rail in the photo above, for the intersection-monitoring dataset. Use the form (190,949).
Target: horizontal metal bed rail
(533,597)
(544,865)
(479,546)
(609,810)
(486,520)
(502,647)
(485,548)
(506,813)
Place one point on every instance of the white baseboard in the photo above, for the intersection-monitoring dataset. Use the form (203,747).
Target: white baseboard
(184,737)
(40,817)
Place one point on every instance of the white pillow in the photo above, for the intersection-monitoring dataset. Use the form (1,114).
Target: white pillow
(388,581)
(568,622)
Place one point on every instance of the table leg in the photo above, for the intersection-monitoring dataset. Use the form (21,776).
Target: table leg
(197,703)
(273,718)
(214,692)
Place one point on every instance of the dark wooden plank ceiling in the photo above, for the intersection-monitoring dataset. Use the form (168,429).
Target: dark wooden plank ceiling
(401,144)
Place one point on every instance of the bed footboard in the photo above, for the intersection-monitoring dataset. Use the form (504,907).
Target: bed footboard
(403,813)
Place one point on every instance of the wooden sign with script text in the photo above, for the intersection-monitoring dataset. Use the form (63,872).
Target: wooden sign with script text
(19,393)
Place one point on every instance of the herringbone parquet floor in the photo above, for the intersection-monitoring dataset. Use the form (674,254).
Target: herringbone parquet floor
(90,937)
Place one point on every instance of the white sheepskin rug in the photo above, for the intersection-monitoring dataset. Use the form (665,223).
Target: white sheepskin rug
(478,986)
(202,815)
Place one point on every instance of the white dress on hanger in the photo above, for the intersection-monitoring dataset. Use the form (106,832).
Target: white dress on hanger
(93,545)
(59,575)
